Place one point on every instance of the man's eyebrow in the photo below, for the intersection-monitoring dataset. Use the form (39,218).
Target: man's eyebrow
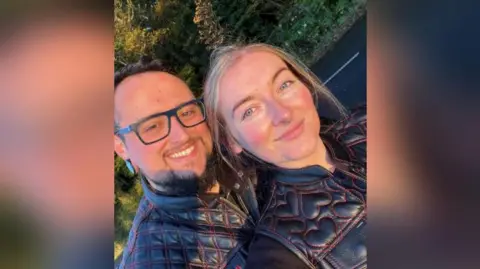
(241,102)
(177,105)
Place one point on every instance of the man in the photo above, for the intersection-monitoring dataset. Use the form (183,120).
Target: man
(185,219)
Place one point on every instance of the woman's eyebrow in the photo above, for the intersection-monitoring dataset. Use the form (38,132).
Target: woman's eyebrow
(250,97)
(241,102)
(279,71)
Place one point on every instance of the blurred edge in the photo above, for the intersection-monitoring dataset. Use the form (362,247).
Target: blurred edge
(24,243)
(15,13)
(423,95)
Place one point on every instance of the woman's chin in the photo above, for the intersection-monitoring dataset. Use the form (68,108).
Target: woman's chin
(294,161)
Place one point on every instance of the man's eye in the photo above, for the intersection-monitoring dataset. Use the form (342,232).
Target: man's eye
(151,127)
(248,113)
(286,84)
(187,113)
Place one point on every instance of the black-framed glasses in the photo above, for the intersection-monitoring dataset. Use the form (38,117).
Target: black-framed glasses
(156,127)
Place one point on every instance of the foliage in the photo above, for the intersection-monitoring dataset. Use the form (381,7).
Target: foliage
(182,34)
(128,192)
(131,39)
(209,29)
(311,25)
(247,21)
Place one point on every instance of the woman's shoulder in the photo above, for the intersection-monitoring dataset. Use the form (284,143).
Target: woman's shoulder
(348,136)
(355,120)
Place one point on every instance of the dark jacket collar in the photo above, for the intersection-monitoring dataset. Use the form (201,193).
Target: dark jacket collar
(170,202)
(305,174)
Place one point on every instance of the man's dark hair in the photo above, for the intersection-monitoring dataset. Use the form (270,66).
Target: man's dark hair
(145,64)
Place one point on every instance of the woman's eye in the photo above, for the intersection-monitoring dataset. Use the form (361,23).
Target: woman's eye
(248,113)
(285,85)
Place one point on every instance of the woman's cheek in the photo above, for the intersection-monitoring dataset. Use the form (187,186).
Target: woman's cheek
(305,97)
(256,136)
(299,98)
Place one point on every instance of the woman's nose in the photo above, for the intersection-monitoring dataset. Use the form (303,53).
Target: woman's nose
(281,113)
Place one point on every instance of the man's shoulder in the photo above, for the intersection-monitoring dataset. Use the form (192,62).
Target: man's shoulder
(140,221)
(144,208)
(155,230)
(140,234)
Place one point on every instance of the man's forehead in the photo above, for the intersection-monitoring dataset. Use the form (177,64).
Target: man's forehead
(158,80)
(144,94)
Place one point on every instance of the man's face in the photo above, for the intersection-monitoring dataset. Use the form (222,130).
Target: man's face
(184,151)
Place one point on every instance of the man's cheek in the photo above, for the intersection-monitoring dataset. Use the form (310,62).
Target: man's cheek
(147,154)
(203,132)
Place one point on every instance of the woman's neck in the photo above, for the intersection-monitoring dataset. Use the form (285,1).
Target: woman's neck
(319,156)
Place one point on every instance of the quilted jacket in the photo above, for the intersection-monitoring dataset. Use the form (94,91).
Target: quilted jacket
(187,232)
(318,215)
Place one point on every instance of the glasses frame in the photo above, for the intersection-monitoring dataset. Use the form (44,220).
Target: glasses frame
(169,113)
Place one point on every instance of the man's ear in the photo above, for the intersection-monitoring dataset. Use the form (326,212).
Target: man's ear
(121,151)
(120,148)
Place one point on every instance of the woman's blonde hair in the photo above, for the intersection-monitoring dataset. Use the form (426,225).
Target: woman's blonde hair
(220,60)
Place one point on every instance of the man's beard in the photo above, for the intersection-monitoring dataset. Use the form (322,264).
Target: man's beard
(185,183)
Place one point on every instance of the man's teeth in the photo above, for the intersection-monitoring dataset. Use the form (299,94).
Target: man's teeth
(182,153)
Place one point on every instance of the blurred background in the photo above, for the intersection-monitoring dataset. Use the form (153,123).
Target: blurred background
(329,36)
(423,134)
(56,111)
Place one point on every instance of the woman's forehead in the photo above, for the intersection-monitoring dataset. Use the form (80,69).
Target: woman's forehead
(257,58)
(252,68)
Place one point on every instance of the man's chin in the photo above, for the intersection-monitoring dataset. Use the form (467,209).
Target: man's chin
(187,173)
(184,174)
(182,182)
(193,169)
(185,179)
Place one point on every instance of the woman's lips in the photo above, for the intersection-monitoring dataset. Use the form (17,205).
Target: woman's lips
(292,133)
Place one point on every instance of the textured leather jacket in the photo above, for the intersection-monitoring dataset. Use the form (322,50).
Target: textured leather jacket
(188,232)
(318,215)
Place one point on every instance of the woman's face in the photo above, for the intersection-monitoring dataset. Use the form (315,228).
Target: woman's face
(268,110)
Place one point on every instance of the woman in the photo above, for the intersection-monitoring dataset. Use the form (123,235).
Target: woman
(311,180)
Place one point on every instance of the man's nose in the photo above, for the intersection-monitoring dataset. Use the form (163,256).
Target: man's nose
(177,131)
(280,113)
